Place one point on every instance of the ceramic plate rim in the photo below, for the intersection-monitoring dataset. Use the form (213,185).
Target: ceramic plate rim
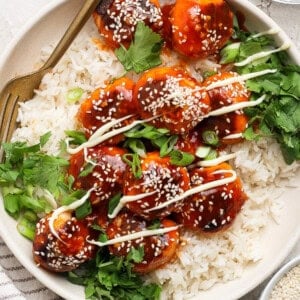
(55,4)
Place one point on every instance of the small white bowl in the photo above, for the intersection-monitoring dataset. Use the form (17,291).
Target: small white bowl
(266,294)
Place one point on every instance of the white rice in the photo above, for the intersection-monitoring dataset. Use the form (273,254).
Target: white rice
(220,257)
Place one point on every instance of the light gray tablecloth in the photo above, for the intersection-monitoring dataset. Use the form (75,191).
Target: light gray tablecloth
(15,281)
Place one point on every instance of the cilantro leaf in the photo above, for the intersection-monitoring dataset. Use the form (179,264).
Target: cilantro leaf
(279,114)
(109,277)
(144,51)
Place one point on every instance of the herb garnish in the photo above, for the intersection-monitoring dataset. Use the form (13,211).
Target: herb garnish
(109,277)
(144,51)
(279,115)
(28,176)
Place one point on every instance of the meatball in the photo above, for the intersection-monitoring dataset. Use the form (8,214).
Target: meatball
(158,249)
(106,176)
(117,19)
(200,27)
(215,208)
(104,105)
(67,252)
(173,97)
(230,123)
(159,176)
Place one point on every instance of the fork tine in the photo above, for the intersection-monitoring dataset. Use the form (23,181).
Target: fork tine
(4,99)
(9,117)
(13,119)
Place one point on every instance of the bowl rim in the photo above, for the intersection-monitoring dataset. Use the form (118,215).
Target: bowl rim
(278,276)
(55,4)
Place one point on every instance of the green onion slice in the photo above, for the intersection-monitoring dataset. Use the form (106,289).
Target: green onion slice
(26,227)
(180,158)
(202,151)
(74,95)
(210,138)
(133,160)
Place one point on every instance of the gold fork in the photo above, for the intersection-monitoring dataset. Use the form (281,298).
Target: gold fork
(21,88)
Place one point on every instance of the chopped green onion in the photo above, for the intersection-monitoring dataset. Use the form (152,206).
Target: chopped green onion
(210,138)
(132,159)
(180,158)
(168,145)
(146,131)
(26,228)
(84,210)
(211,155)
(30,216)
(113,203)
(202,151)
(229,53)
(137,146)
(74,95)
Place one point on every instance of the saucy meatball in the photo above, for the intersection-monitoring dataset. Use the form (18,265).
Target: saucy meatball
(104,105)
(117,19)
(68,252)
(158,249)
(159,176)
(200,27)
(106,176)
(173,97)
(215,208)
(230,123)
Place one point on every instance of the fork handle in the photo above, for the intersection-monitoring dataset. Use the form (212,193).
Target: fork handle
(74,28)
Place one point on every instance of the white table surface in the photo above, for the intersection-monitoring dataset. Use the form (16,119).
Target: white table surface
(14,13)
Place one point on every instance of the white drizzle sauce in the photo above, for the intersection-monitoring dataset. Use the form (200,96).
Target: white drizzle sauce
(200,188)
(236,106)
(127,199)
(216,161)
(64,208)
(233,136)
(261,54)
(99,136)
(102,135)
(134,236)
(239,78)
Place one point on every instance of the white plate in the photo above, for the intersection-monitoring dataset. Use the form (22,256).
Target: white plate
(20,57)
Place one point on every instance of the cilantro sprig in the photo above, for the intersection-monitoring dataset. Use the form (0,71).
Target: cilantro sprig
(144,51)
(111,277)
(279,115)
(28,175)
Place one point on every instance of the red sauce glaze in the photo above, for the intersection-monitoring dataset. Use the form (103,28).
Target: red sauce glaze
(173,96)
(230,123)
(117,19)
(158,249)
(99,215)
(200,27)
(107,175)
(159,175)
(167,28)
(216,208)
(67,254)
(104,105)
(189,142)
